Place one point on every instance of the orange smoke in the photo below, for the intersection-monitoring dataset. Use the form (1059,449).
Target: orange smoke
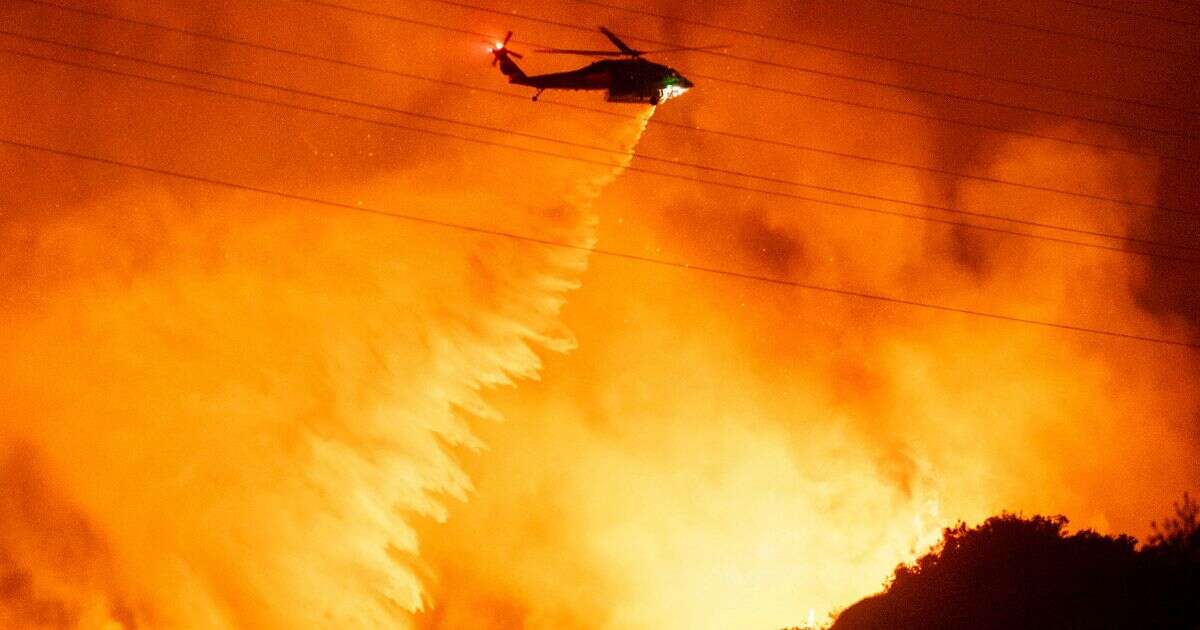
(721,453)
(226,409)
(223,409)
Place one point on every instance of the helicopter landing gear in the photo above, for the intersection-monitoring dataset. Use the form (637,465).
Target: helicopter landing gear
(535,96)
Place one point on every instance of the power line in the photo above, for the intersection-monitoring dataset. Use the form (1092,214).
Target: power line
(862,295)
(764,62)
(795,146)
(1148,16)
(929,117)
(636,169)
(878,57)
(822,73)
(947,120)
(606,112)
(1038,29)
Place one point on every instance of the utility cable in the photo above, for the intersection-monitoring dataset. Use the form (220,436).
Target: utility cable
(1191,56)
(851,293)
(795,146)
(607,112)
(886,58)
(1148,16)
(822,73)
(637,169)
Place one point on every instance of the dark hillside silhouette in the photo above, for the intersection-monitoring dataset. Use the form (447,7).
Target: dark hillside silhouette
(1013,572)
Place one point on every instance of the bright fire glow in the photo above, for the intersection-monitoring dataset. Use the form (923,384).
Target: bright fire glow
(220,409)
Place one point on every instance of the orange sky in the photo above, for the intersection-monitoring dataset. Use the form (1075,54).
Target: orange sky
(231,409)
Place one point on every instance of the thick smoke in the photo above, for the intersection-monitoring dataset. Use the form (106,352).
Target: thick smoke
(226,410)
(727,454)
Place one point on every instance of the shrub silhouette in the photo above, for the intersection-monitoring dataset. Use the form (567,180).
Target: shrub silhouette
(1014,572)
(1178,537)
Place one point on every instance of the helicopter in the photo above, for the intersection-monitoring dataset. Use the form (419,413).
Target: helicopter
(629,79)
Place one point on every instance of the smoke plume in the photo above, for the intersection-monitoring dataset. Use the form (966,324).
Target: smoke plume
(226,409)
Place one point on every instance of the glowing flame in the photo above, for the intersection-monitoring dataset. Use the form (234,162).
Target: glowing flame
(223,410)
(265,402)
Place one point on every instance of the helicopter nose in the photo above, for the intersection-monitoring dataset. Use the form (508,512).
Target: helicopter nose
(685,84)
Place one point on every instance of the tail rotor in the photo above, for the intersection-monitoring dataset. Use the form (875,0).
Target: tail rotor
(500,50)
(503,56)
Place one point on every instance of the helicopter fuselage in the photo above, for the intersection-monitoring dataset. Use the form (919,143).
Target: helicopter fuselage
(626,80)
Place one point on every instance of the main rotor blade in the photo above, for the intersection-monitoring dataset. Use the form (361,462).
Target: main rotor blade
(682,48)
(618,43)
(588,53)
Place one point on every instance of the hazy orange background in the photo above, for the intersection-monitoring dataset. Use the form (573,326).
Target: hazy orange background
(228,410)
